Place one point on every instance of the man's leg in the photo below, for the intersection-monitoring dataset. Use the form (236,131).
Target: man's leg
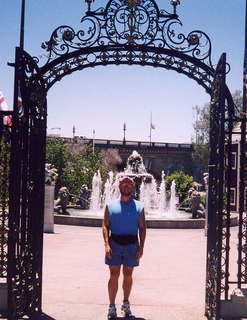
(127,281)
(113,283)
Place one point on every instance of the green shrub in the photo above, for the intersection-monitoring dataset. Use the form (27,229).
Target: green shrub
(75,164)
(183,183)
(81,169)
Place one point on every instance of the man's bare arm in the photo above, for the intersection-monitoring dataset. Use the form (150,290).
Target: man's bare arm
(105,226)
(142,229)
(142,234)
(105,231)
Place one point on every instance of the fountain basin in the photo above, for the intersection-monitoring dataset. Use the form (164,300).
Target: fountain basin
(155,223)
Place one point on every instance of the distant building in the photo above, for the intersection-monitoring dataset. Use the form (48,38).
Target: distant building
(234,183)
(235,171)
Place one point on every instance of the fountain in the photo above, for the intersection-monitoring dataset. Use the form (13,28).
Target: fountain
(147,190)
(96,192)
(160,205)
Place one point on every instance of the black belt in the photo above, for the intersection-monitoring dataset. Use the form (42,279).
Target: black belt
(124,239)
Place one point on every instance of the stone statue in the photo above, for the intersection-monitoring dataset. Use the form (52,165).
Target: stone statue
(62,200)
(195,201)
(84,197)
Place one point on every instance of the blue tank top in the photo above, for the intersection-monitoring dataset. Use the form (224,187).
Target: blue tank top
(124,217)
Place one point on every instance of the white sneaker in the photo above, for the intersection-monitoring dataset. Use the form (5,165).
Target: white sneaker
(126,309)
(112,312)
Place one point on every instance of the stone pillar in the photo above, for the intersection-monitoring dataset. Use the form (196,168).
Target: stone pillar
(49,209)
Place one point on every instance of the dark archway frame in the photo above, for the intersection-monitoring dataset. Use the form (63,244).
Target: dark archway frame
(129,32)
(125,32)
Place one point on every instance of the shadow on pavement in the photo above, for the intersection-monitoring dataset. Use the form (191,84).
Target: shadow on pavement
(42,316)
(130,318)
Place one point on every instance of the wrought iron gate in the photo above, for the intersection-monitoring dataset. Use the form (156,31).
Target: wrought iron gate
(4,194)
(26,191)
(124,32)
(221,123)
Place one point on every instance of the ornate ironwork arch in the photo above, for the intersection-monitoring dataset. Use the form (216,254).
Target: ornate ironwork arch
(115,55)
(128,32)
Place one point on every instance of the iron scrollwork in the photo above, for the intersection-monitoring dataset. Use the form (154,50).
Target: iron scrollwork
(218,242)
(26,204)
(129,23)
(5,144)
(133,31)
(127,56)
(212,278)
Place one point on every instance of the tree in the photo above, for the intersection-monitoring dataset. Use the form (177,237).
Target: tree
(183,182)
(201,128)
(75,164)
(111,159)
(201,124)
(238,99)
(81,169)
(58,155)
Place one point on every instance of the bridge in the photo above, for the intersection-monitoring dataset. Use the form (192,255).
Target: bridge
(157,156)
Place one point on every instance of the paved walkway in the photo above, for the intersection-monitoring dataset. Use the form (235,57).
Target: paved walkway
(169,283)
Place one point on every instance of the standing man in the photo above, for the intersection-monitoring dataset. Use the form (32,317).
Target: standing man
(124,220)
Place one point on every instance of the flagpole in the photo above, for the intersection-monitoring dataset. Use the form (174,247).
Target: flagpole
(150,130)
(124,129)
(73,131)
(22,27)
(93,139)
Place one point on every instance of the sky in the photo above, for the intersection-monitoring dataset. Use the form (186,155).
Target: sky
(104,97)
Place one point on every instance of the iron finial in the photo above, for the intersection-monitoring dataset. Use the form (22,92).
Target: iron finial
(89,2)
(175,3)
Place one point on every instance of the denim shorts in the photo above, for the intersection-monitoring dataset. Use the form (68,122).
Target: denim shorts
(123,255)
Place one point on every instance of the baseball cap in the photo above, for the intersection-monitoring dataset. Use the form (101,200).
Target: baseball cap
(126,179)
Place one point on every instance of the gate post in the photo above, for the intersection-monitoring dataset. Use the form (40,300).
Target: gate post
(5,135)
(26,191)
(216,212)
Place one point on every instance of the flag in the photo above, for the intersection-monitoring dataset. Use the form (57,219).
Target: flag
(19,103)
(4,107)
(152,126)
(73,130)
(3,103)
